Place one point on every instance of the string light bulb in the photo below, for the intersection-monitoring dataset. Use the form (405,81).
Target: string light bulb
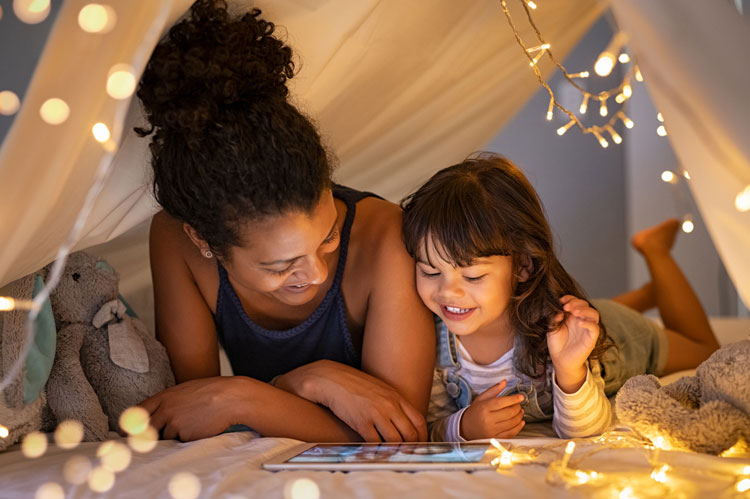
(668,177)
(582,74)
(97,18)
(602,141)
(624,58)
(686,174)
(660,117)
(627,90)
(31,11)
(121,81)
(661,131)
(531,4)
(550,108)
(543,46)
(536,58)
(100,132)
(8,303)
(687,225)
(4,432)
(564,128)
(638,75)
(616,138)
(603,107)
(605,63)
(626,121)
(620,98)
(54,111)
(584,104)
(742,201)
(9,102)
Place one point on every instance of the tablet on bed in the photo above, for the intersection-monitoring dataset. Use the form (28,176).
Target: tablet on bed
(385,456)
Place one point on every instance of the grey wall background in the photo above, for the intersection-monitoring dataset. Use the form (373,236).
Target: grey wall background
(596,198)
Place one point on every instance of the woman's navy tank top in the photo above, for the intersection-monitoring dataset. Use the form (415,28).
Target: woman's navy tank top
(262,353)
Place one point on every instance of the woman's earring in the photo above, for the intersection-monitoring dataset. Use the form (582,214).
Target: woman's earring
(208,254)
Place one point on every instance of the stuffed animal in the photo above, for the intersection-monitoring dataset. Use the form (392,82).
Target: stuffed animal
(106,360)
(708,412)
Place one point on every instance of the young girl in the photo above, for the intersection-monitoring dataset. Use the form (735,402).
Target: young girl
(305,283)
(517,341)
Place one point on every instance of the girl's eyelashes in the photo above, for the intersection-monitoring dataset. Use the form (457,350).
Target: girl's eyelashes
(475,279)
(429,275)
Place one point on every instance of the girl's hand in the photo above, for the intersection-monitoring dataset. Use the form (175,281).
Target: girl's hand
(490,416)
(366,404)
(571,344)
(199,408)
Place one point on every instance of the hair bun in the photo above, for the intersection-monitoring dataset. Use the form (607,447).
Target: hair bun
(208,62)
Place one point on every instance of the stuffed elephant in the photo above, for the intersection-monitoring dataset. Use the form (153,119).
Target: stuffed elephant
(708,412)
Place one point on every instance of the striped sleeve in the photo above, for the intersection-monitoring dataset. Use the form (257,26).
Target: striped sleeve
(584,413)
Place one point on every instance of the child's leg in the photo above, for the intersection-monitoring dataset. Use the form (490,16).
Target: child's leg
(691,339)
(640,300)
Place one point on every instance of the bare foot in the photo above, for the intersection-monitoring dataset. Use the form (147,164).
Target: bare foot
(657,239)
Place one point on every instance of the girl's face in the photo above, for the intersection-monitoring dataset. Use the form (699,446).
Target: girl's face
(287,256)
(472,299)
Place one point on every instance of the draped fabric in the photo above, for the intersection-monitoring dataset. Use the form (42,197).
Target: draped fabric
(691,57)
(398,89)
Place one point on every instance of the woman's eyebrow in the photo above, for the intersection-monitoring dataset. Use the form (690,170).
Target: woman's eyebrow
(294,259)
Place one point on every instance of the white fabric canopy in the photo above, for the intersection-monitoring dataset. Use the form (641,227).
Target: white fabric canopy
(398,89)
(692,55)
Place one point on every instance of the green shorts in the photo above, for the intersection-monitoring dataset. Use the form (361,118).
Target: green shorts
(641,345)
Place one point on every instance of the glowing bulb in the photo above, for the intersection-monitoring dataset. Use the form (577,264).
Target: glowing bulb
(584,104)
(134,420)
(604,64)
(7,304)
(660,117)
(603,107)
(550,108)
(627,121)
(31,11)
(686,174)
(624,58)
(506,459)
(34,444)
(9,102)
(602,141)
(671,178)
(496,444)
(582,74)
(661,131)
(114,456)
(69,434)
(101,132)
(746,470)
(301,488)
(50,490)
(627,493)
(569,448)
(145,441)
(638,75)
(121,81)
(627,90)
(76,470)
(619,98)
(742,203)
(184,485)
(54,111)
(543,46)
(743,485)
(565,127)
(97,18)
(613,133)
(101,479)
(661,475)
(687,226)
(537,57)
(4,432)
(531,4)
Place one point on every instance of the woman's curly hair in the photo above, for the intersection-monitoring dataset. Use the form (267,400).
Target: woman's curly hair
(485,206)
(227,146)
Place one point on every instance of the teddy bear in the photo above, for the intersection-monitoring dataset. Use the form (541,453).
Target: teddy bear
(708,412)
(105,359)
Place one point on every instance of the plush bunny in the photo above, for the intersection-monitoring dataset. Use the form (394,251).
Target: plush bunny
(106,360)
(708,412)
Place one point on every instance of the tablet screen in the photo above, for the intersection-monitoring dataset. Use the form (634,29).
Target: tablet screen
(441,452)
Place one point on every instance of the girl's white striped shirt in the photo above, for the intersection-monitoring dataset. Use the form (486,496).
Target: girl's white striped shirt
(581,414)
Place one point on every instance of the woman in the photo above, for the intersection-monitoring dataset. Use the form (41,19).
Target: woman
(302,281)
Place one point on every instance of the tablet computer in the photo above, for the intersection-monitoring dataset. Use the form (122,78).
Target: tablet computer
(385,456)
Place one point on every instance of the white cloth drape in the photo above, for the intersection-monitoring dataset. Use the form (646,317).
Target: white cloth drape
(692,56)
(399,89)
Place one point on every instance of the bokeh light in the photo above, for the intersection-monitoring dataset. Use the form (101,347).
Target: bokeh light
(661,131)
(97,18)
(184,485)
(687,227)
(101,479)
(4,432)
(742,200)
(121,81)
(114,456)
(54,111)
(101,132)
(668,176)
(145,441)
(134,420)
(34,444)
(31,11)
(69,434)
(9,102)
(301,488)
(76,469)
(50,490)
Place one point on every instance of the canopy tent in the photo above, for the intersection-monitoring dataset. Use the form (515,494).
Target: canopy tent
(395,87)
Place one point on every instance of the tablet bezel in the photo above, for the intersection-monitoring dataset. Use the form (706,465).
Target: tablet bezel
(280,462)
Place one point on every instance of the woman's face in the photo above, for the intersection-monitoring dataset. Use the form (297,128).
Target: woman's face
(285,256)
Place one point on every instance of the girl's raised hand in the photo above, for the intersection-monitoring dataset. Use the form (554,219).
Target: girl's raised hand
(490,416)
(572,342)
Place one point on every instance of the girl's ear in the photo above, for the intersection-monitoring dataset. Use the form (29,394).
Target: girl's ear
(526,268)
(195,238)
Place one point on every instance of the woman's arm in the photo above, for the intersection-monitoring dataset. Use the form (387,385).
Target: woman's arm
(204,404)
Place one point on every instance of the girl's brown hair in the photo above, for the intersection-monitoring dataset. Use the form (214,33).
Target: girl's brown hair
(485,206)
